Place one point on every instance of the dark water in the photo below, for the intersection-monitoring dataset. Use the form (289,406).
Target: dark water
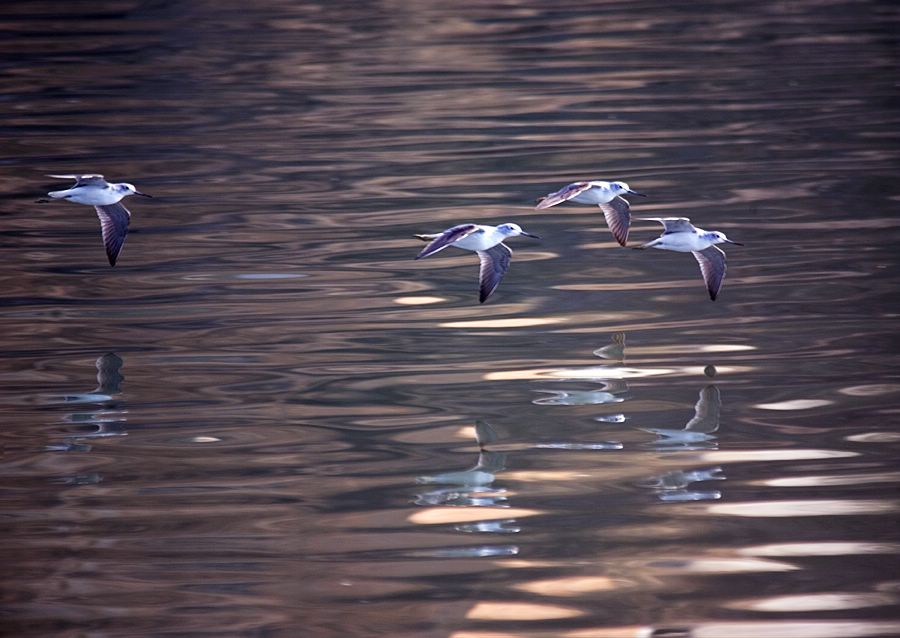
(280,437)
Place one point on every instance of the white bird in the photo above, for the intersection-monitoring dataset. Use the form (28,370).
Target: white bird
(615,350)
(474,485)
(486,242)
(681,236)
(609,393)
(95,191)
(701,428)
(606,195)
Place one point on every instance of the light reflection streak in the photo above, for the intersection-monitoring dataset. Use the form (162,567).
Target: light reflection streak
(823,507)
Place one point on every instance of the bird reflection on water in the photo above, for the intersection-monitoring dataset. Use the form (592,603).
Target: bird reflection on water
(473,487)
(610,393)
(673,486)
(615,350)
(697,434)
(107,420)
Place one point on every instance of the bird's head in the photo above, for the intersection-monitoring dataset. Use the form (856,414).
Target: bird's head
(511,230)
(129,189)
(719,238)
(622,187)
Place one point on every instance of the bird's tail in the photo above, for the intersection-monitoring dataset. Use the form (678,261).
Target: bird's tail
(649,244)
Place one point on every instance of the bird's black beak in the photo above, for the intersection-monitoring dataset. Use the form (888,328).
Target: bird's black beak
(736,243)
(530,235)
(637,193)
(144,194)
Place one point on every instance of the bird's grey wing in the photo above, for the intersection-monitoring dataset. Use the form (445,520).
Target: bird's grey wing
(82,180)
(109,379)
(672,224)
(114,220)
(564,194)
(491,462)
(484,433)
(446,238)
(494,264)
(706,411)
(618,217)
(712,265)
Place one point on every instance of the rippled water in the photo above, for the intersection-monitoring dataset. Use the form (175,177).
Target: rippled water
(281,436)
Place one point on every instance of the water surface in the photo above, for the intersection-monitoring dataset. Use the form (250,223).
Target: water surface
(263,421)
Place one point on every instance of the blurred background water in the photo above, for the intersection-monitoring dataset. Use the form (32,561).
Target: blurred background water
(263,421)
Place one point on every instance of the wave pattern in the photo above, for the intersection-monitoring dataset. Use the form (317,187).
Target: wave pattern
(268,419)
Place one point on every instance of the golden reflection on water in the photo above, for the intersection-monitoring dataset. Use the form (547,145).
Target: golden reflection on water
(521,322)
(605,372)
(837,479)
(757,456)
(794,404)
(500,611)
(823,507)
(796,629)
(815,602)
(444,515)
(294,380)
(720,565)
(568,586)
(418,301)
(875,437)
(823,548)
(871,390)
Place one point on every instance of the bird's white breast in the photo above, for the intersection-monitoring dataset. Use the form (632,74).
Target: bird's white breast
(480,240)
(686,242)
(90,195)
(595,195)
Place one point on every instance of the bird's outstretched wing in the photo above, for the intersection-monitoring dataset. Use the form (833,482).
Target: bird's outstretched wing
(712,265)
(484,433)
(494,264)
(564,194)
(109,379)
(114,220)
(618,217)
(446,238)
(706,411)
(671,224)
(82,180)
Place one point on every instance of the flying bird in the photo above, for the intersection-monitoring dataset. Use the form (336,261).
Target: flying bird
(486,242)
(106,198)
(606,195)
(681,236)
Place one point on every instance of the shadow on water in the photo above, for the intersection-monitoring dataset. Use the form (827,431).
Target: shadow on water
(297,429)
